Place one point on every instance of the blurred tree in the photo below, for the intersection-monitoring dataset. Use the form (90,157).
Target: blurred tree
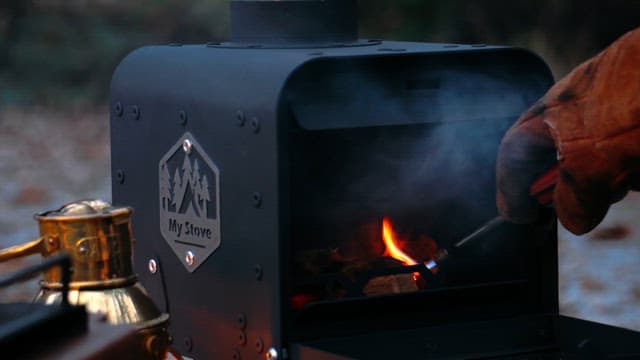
(60,52)
(63,52)
(564,32)
(14,11)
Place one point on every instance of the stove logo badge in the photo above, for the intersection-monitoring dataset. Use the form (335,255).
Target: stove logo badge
(189,202)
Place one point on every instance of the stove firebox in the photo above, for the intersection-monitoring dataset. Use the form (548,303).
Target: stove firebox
(290,184)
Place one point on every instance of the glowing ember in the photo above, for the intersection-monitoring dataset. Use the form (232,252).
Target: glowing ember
(392,248)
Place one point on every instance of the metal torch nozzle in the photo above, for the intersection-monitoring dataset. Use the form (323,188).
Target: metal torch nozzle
(541,190)
(432,265)
(442,254)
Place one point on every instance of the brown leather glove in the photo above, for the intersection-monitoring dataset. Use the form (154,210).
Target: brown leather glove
(590,122)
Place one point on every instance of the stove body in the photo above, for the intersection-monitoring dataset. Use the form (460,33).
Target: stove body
(260,171)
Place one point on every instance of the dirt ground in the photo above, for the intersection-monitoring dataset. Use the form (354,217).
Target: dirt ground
(49,158)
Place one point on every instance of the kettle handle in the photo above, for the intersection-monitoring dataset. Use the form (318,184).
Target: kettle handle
(29,248)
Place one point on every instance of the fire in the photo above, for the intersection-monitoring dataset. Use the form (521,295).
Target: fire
(392,248)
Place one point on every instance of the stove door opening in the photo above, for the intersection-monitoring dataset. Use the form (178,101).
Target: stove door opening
(371,207)
(390,163)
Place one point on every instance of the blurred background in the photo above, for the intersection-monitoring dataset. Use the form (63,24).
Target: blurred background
(57,57)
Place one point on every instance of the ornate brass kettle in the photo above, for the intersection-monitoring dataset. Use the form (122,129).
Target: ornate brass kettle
(99,239)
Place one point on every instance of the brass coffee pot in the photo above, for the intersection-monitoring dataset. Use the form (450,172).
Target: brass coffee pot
(99,239)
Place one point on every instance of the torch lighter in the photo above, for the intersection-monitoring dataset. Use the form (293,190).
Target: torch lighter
(541,190)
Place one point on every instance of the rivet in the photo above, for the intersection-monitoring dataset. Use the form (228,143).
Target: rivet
(183,117)
(83,249)
(271,354)
(257,199)
(190,258)
(186,146)
(259,345)
(52,243)
(118,109)
(236,354)
(255,125)
(188,343)
(240,118)
(136,112)
(258,272)
(241,321)
(242,338)
(152,266)
(120,176)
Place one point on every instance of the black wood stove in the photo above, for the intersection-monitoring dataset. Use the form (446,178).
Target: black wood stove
(291,184)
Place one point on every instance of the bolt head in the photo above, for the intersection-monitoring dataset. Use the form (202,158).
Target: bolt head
(259,345)
(136,112)
(188,343)
(190,258)
(241,321)
(257,199)
(271,354)
(120,176)
(242,338)
(118,109)
(83,249)
(152,266)
(183,117)
(240,118)
(236,355)
(258,271)
(255,125)
(187,145)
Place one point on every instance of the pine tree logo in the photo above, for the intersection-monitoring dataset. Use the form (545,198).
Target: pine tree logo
(189,201)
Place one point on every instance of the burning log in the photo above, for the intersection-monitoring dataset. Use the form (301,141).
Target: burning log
(391,284)
(325,274)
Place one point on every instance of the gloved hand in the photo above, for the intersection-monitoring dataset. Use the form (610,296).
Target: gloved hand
(590,123)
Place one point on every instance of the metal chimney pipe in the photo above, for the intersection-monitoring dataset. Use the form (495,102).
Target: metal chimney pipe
(294,22)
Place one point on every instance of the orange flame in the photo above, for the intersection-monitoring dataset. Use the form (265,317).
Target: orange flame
(392,249)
